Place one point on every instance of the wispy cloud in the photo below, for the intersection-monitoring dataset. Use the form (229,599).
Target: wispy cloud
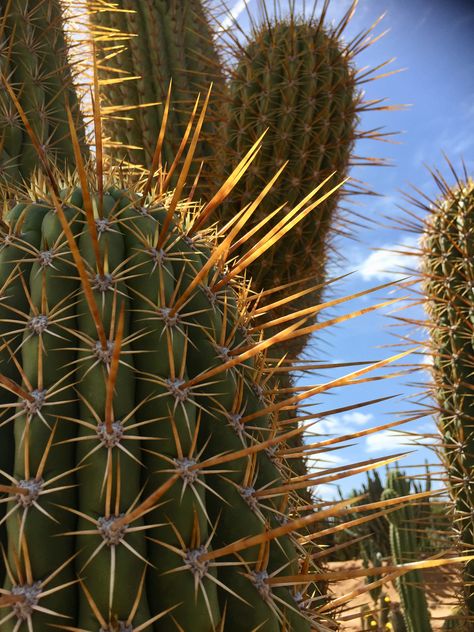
(343,424)
(387,440)
(358,418)
(234,13)
(328,492)
(390,262)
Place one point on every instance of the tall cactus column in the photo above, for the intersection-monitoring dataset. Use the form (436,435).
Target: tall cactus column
(404,547)
(295,80)
(158,41)
(34,61)
(448,282)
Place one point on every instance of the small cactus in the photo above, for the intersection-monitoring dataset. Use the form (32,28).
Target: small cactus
(404,548)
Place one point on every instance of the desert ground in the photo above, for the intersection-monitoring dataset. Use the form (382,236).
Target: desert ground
(439,592)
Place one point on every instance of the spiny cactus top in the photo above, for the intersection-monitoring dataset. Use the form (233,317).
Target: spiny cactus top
(448,283)
(33,59)
(293,78)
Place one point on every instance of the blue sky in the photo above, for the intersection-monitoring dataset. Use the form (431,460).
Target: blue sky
(432,40)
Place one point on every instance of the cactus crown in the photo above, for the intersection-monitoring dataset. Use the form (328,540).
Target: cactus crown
(294,79)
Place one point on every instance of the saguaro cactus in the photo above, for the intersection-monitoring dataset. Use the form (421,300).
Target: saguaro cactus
(34,60)
(404,548)
(448,284)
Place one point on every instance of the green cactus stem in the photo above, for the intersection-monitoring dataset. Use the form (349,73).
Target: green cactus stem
(156,42)
(145,470)
(404,549)
(34,62)
(448,285)
(295,79)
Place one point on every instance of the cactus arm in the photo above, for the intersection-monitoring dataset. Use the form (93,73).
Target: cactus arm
(293,78)
(167,41)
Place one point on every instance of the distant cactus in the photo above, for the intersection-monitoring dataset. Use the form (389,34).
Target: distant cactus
(448,284)
(396,620)
(456,622)
(377,619)
(404,549)
(34,62)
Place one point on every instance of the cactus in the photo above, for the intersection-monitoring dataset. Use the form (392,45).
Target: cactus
(138,427)
(146,475)
(397,622)
(404,548)
(131,393)
(376,620)
(34,61)
(448,281)
(295,79)
(155,42)
(372,558)
(456,621)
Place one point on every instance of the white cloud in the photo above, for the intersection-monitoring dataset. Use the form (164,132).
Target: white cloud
(355,417)
(233,13)
(342,424)
(328,426)
(390,262)
(326,492)
(326,460)
(388,440)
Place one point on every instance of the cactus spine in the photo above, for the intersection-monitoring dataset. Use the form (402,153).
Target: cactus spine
(403,548)
(157,41)
(448,284)
(34,61)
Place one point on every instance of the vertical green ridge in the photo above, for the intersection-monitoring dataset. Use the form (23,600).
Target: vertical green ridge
(404,548)
(170,40)
(34,60)
(448,282)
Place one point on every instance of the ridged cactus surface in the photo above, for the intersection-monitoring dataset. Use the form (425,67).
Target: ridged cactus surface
(33,60)
(448,284)
(158,41)
(404,548)
(294,78)
(142,465)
